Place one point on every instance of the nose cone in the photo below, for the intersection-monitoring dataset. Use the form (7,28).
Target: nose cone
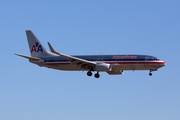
(163,64)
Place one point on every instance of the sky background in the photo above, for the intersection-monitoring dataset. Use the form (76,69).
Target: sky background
(90,27)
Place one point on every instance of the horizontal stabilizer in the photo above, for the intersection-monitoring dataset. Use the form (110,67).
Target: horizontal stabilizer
(27,57)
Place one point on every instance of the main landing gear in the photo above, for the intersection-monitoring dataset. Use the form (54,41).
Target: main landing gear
(89,73)
(97,75)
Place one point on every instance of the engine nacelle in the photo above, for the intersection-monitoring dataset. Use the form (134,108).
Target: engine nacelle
(116,72)
(103,67)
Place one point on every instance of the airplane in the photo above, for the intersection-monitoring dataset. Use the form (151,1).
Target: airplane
(112,64)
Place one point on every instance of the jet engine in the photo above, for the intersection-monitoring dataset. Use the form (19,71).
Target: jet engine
(116,72)
(103,67)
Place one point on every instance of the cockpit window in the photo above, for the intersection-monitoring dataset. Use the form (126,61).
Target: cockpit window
(155,59)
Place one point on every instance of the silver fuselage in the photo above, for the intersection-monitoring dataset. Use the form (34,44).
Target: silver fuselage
(119,62)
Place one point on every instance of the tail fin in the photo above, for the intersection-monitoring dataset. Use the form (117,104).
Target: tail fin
(35,46)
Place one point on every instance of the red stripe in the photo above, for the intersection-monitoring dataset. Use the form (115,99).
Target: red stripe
(135,63)
(113,63)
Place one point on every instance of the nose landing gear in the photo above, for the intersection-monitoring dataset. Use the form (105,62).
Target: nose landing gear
(150,74)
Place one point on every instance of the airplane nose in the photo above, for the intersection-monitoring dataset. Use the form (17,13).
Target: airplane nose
(163,64)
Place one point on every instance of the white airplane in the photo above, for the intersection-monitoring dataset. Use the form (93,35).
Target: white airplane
(112,64)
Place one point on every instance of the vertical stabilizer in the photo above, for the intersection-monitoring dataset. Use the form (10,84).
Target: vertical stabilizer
(35,46)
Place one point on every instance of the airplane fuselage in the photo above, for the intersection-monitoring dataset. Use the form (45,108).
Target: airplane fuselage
(119,62)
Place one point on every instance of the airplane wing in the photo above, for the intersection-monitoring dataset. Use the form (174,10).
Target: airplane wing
(72,59)
(27,57)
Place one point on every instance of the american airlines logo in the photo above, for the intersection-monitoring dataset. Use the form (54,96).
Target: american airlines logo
(124,57)
(36,48)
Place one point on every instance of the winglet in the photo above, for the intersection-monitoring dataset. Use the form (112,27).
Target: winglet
(51,48)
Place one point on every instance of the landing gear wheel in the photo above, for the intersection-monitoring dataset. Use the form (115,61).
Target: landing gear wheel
(150,74)
(97,75)
(89,73)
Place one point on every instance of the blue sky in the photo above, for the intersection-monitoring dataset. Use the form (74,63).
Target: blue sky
(90,27)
